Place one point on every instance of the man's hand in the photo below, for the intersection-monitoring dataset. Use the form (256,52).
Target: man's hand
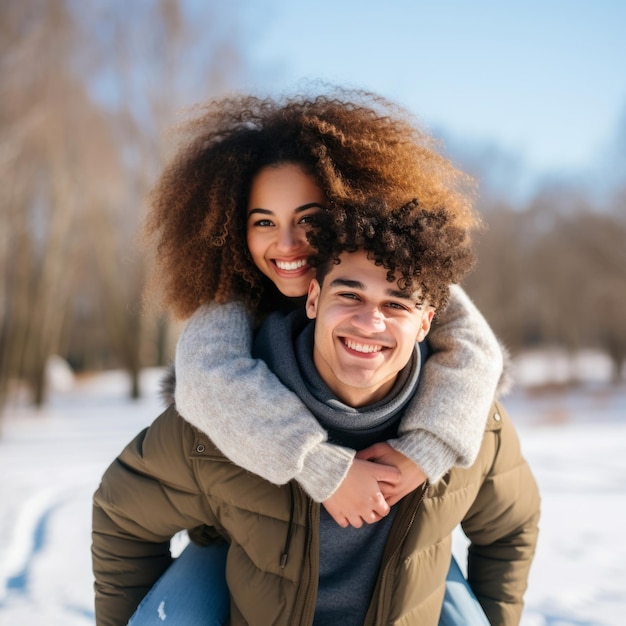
(411,476)
(359,498)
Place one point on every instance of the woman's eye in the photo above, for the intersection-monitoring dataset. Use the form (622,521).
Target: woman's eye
(263,223)
(307,220)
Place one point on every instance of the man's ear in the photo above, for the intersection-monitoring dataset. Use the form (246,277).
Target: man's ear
(427,318)
(312,299)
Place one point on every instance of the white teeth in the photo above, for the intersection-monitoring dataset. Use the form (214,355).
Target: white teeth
(361,347)
(291,266)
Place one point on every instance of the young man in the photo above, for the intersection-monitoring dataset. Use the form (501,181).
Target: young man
(355,367)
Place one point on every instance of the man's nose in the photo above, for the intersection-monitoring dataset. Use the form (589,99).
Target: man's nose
(369,318)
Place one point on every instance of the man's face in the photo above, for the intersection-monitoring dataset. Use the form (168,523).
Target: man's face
(365,329)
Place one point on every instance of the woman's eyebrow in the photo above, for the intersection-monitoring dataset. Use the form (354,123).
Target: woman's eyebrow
(310,205)
(300,209)
(263,211)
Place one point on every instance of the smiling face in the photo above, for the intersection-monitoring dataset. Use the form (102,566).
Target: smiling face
(365,329)
(283,201)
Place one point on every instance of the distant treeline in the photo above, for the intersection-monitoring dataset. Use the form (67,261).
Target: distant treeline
(88,91)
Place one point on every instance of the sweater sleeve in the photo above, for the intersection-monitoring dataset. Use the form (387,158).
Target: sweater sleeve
(240,404)
(444,423)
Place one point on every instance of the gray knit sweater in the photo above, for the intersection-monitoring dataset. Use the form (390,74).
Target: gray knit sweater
(265,428)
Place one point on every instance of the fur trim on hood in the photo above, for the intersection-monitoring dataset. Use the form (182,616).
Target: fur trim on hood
(167,386)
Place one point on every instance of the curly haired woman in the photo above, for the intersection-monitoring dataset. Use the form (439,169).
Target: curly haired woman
(211,212)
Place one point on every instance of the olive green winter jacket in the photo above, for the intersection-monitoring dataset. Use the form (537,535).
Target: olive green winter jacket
(171,477)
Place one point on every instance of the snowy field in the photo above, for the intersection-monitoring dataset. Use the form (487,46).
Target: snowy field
(51,462)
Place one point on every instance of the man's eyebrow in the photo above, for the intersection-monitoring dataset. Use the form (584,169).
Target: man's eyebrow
(395,293)
(300,209)
(356,284)
(346,282)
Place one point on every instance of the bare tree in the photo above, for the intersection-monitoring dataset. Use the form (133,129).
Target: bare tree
(87,94)
(39,200)
(147,68)
(600,239)
(499,283)
(555,274)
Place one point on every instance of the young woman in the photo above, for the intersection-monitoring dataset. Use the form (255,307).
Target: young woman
(229,219)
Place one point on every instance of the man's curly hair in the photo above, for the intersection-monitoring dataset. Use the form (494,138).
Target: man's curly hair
(356,146)
(420,248)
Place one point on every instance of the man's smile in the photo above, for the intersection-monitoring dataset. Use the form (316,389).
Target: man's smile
(362,347)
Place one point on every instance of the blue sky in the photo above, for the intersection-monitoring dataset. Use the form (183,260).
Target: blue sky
(544,80)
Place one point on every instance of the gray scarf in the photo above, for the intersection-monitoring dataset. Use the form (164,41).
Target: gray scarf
(285,343)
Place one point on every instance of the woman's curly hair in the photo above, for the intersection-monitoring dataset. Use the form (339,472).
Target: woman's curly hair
(355,144)
(420,248)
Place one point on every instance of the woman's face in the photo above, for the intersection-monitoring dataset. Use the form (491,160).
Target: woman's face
(282,203)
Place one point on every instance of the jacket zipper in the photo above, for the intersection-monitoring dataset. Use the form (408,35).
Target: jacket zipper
(382,602)
(306,608)
(292,504)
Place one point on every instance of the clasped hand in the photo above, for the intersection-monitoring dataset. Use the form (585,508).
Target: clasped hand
(379,477)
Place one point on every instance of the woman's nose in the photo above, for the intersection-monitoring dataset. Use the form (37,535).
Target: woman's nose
(287,239)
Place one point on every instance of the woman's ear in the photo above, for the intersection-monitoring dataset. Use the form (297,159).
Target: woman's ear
(312,299)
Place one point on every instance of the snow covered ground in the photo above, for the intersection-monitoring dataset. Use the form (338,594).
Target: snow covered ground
(51,462)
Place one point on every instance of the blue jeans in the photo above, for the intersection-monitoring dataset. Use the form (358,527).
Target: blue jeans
(193,592)
(460,605)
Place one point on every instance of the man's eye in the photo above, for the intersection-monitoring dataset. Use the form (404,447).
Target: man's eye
(349,296)
(405,307)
